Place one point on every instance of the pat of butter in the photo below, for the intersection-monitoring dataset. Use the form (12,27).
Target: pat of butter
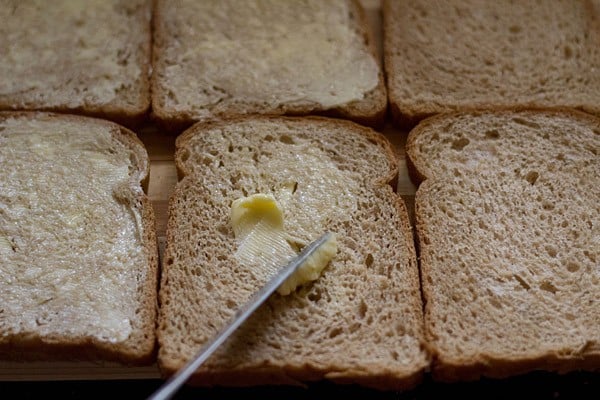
(257,223)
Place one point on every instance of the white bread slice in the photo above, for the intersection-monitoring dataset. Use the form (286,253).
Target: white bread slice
(462,55)
(508,222)
(78,255)
(360,322)
(86,57)
(215,59)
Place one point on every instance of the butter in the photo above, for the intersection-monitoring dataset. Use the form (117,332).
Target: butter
(312,268)
(258,225)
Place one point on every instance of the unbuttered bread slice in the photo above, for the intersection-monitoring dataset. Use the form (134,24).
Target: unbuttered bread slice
(220,58)
(84,57)
(360,322)
(78,256)
(460,55)
(508,221)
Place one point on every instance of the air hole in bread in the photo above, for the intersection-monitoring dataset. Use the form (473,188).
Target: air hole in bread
(460,144)
(314,296)
(551,250)
(286,139)
(231,304)
(369,260)
(532,177)
(525,122)
(492,134)
(568,52)
(362,309)
(335,332)
(569,317)
(515,29)
(572,266)
(522,282)
(548,287)
(589,255)
(547,205)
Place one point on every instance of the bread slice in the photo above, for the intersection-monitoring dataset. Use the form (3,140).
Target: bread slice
(463,55)
(89,57)
(78,255)
(360,322)
(508,226)
(216,59)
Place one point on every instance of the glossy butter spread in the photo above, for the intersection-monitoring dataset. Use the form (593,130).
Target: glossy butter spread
(270,52)
(257,223)
(70,236)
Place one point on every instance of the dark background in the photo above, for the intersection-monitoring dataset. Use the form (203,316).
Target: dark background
(538,385)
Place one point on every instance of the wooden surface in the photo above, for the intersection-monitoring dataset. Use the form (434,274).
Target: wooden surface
(163,177)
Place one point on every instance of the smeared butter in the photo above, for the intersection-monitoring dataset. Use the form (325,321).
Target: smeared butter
(257,223)
(70,243)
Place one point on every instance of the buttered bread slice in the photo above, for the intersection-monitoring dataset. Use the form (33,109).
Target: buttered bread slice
(78,256)
(359,322)
(220,58)
(86,57)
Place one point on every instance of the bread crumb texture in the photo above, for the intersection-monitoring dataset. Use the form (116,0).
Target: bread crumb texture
(90,56)
(509,230)
(361,321)
(261,56)
(457,55)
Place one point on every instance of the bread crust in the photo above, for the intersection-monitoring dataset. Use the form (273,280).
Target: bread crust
(369,111)
(139,347)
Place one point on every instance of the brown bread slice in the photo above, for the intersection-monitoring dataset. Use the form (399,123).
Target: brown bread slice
(224,58)
(360,322)
(461,55)
(78,255)
(508,222)
(88,57)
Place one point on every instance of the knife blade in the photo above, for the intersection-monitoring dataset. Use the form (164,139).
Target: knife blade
(170,387)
